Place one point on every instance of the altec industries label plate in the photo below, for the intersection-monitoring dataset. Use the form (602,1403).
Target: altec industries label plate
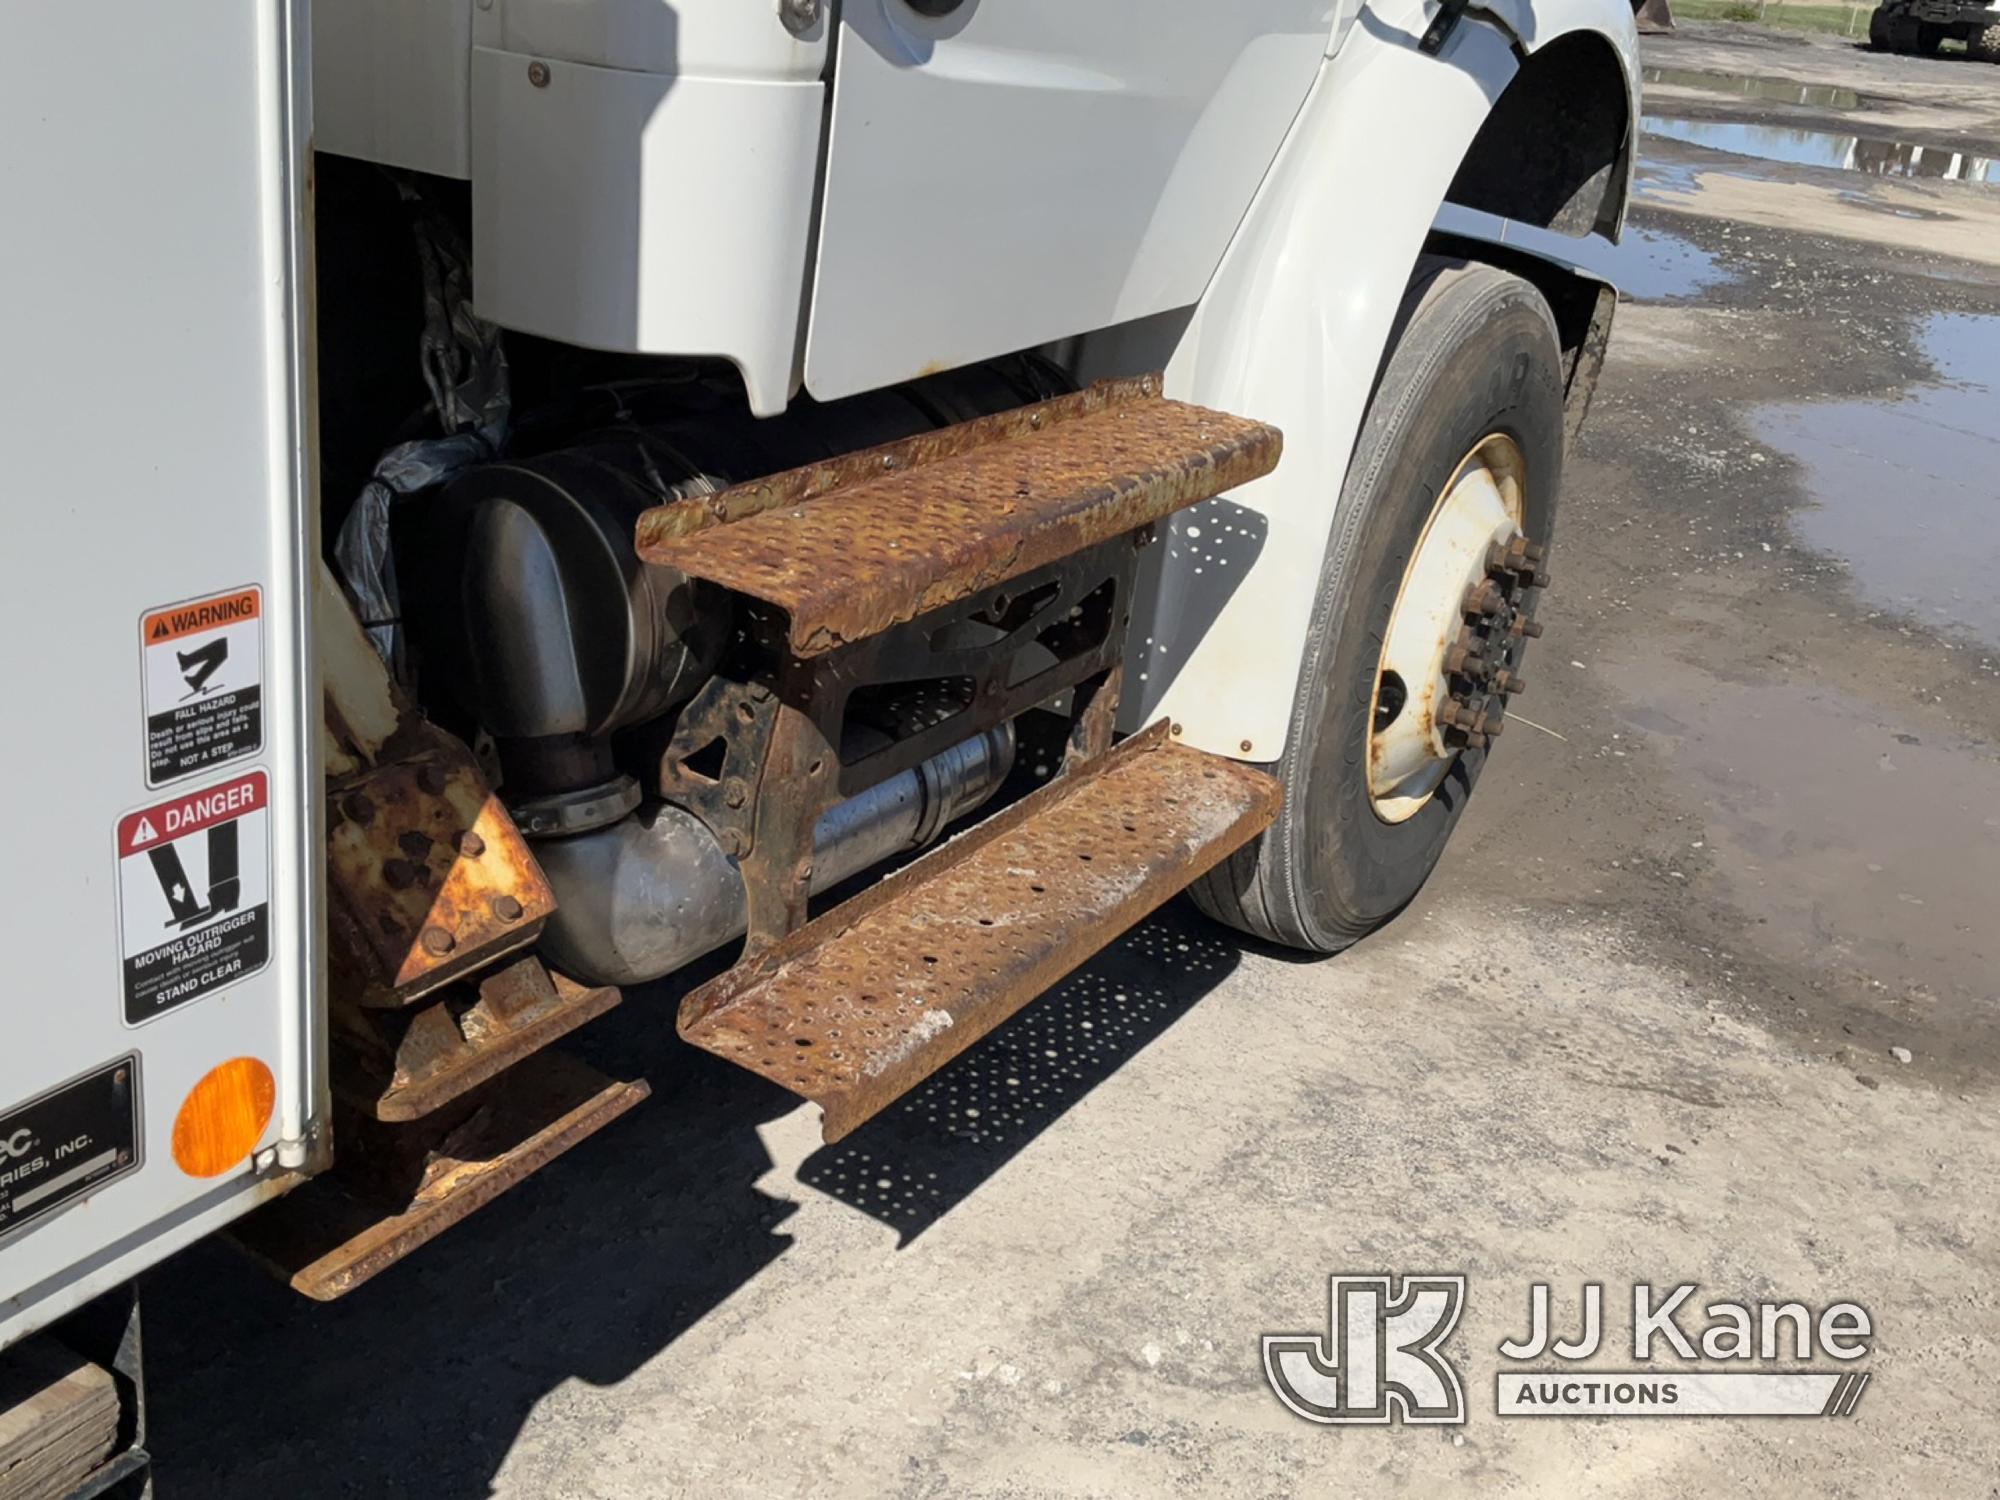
(194,894)
(68,1142)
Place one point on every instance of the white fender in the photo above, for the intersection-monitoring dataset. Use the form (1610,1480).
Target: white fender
(1292,330)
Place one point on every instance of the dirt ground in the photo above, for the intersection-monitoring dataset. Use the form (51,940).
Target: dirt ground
(1705,991)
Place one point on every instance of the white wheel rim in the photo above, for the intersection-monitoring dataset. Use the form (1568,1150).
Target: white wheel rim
(1410,751)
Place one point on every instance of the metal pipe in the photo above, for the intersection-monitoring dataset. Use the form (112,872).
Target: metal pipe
(654,891)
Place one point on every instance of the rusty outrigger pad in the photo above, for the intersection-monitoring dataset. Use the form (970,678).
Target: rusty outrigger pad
(866,1001)
(400,1065)
(428,879)
(854,547)
(400,1187)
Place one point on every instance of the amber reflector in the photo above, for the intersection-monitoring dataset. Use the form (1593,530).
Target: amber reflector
(223,1117)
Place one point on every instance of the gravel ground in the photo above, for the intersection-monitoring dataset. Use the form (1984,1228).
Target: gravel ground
(1703,992)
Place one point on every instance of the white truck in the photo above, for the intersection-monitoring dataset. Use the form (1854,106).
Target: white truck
(509,497)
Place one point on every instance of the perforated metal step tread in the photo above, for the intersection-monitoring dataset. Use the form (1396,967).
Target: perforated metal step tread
(857,545)
(866,1001)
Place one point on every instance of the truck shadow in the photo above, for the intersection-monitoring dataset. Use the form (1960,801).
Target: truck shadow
(424,1380)
(912,1163)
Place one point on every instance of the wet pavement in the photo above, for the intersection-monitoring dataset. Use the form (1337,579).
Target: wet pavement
(1705,990)
(1906,492)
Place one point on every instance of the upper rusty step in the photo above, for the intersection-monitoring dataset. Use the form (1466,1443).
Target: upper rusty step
(863,1003)
(870,540)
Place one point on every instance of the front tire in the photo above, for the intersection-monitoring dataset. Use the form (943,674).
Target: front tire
(1476,366)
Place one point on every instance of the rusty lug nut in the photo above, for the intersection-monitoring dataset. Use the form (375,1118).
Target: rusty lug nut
(437,942)
(1510,682)
(1484,598)
(471,845)
(431,779)
(1523,626)
(357,807)
(507,909)
(401,874)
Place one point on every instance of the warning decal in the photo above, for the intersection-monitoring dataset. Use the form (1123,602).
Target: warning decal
(194,894)
(204,683)
(68,1142)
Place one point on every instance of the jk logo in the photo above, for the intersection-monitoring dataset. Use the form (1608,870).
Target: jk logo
(1378,1360)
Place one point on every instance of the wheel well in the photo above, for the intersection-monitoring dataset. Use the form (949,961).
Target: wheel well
(1553,150)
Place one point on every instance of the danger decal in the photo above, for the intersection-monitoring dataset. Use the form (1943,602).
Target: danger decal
(204,683)
(194,894)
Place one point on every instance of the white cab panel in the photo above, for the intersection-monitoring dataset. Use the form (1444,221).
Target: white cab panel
(643,176)
(392,82)
(1024,170)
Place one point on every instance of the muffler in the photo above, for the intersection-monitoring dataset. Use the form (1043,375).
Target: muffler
(654,891)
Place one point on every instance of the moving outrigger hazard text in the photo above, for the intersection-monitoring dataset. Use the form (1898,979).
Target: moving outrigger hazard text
(194,880)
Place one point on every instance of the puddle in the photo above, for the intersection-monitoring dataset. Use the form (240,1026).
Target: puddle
(1826,148)
(1651,266)
(1907,491)
(1751,86)
(1843,835)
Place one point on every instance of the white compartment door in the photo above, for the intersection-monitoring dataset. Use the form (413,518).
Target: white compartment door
(1015,171)
(159,863)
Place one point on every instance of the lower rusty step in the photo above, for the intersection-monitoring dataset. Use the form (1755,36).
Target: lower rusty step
(402,1065)
(396,1188)
(868,1000)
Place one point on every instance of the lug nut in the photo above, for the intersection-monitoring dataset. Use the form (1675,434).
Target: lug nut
(1510,682)
(437,942)
(1484,598)
(1523,626)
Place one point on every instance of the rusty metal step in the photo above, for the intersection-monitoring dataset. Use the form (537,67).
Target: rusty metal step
(396,1188)
(869,999)
(401,1065)
(855,546)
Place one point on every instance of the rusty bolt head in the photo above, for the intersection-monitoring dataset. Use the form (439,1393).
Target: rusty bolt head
(1523,626)
(735,794)
(357,807)
(471,845)
(1244,746)
(431,779)
(538,74)
(507,909)
(437,942)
